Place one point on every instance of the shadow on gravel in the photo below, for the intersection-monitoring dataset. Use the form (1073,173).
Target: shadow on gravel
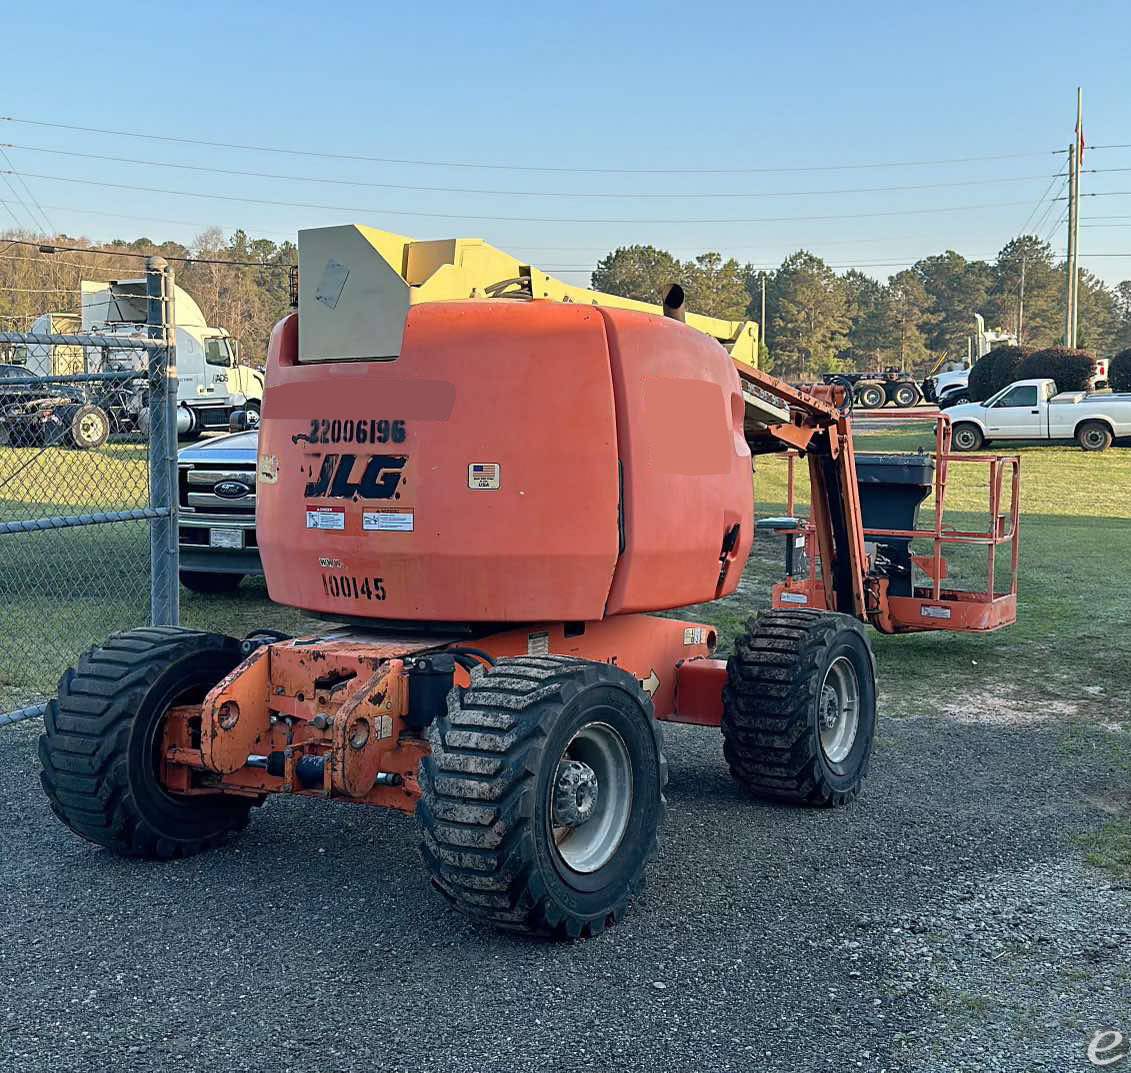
(944,921)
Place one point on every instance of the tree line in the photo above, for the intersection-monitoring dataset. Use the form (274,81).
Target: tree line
(818,320)
(821,321)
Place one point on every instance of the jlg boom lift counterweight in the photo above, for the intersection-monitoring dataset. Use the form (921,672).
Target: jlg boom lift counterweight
(489,480)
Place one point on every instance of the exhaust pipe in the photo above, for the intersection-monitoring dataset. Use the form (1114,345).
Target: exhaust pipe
(674,302)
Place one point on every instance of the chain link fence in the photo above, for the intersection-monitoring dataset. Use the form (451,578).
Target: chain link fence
(88,479)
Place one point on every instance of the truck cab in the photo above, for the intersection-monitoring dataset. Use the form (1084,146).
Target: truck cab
(211,382)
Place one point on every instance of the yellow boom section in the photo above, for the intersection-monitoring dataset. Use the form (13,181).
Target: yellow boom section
(338,268)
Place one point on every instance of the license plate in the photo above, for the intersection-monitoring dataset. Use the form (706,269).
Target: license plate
(226,538)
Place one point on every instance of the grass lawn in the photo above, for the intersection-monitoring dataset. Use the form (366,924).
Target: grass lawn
(1068,658)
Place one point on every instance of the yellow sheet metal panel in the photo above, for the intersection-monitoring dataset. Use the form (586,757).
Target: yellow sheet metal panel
(353,304)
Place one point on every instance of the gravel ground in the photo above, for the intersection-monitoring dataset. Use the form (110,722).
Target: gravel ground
(943,922)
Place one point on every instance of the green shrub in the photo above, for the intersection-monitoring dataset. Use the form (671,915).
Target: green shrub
(981,378)
(995,370)
(1007,365)
(1071,369)
(1119,371)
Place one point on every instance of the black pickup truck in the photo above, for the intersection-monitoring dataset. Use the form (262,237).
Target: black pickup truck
(46,413)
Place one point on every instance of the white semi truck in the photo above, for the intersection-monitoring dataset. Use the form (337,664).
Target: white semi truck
(211,382)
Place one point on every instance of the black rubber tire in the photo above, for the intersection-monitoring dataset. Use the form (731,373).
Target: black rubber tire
(87,427)
(955,398)
(211,584)
(905,394)
(771,735)
(1094,436)
(253,406)
(101,733)
(870,396)
(485,815)
(967,437)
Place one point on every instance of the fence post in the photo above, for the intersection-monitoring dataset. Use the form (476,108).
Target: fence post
(164,586)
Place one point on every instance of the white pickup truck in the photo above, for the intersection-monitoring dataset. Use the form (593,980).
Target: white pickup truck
(1033,410)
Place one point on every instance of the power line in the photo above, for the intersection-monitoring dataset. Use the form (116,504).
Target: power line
(49,248)
(1051,204)
(1040,201)
(19,201)
(518,219)
(42,215)
(519,193)
(12,213)
(1103,193)
(518,167)
(599,249)
(1052,230)
(162,220)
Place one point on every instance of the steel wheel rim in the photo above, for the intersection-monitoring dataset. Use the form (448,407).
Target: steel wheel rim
(964,438)
(1093,437)
(90,428)
(838,710)
(590,844)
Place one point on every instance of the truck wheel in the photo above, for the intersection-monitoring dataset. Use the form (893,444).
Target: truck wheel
(799,707)
(966,437)
(543,796)
(210,584)
(906,394)
(88,427)
(870,396)
(100,747)
(955,398)
(1094,436)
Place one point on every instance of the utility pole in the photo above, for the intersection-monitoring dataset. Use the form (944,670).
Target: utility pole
(762,322)
(1069,258)
(1071,264)
(1079,160)
(1021,305)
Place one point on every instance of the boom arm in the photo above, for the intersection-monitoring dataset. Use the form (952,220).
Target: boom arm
(388,273)
(812,423)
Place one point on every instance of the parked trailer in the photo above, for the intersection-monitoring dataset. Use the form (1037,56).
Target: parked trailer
(876,389)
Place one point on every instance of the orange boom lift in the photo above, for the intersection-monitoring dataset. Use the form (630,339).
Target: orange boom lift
(487,498)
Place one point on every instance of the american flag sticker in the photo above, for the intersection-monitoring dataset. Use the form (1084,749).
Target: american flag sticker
(484,475)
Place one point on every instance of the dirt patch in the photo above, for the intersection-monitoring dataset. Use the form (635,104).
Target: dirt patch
(1002,706)
(1114,804)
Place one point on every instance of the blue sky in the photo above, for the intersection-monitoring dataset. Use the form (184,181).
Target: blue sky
(669,99)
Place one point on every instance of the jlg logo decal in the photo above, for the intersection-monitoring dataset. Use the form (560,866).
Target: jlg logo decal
(338,477)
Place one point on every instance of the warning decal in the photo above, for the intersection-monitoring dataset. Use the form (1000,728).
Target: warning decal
(387,521)
(325,518)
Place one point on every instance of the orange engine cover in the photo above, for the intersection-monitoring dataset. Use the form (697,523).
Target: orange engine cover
(518,462)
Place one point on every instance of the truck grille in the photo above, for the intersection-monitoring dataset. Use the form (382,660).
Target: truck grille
(223,491)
